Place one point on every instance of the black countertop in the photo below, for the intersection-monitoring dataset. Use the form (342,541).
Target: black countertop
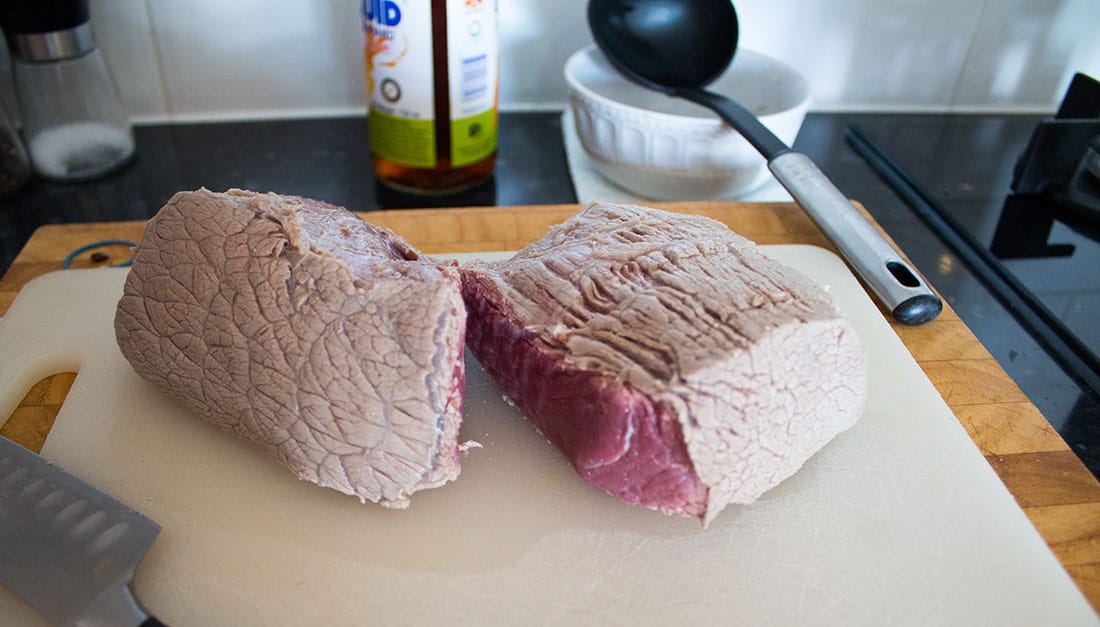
(962,162)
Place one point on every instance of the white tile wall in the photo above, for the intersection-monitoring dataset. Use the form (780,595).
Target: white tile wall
(866,54)
(1025,50)
(231,59)
(125,35)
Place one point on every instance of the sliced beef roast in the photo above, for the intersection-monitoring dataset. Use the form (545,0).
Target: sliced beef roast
(670,361)
(294,325)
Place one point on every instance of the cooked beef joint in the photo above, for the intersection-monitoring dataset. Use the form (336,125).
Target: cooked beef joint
(671,362)
(326,342)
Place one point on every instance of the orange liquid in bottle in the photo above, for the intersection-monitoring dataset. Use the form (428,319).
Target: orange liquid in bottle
(442,178)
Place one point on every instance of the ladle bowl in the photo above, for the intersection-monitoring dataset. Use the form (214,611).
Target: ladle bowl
(653,35)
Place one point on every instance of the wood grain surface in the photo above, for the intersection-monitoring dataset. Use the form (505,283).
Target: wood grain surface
(1053,487)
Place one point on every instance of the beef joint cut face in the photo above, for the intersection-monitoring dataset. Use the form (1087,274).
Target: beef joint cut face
(674,365)
(326,342)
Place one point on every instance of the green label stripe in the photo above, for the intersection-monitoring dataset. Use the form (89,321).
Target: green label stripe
(473,138)
(404,141)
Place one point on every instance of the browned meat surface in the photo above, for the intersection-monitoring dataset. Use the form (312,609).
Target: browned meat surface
(670,361)
(294,325)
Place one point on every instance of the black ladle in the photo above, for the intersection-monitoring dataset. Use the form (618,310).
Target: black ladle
(680,46)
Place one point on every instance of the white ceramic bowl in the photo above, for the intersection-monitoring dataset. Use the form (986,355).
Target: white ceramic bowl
(666,148)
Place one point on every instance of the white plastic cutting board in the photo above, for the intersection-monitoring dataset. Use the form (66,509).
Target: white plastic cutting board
(899,521)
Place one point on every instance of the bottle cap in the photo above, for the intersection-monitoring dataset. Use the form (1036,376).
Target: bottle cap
(47,30)
(27,17)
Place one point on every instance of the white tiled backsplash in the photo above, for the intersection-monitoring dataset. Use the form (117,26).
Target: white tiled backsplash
(232,59)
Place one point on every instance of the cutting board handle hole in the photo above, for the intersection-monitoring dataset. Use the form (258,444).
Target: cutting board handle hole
(38,408)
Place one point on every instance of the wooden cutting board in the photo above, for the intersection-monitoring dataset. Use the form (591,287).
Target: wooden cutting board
(899,520)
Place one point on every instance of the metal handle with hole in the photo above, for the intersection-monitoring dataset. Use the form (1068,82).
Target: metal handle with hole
(889,276)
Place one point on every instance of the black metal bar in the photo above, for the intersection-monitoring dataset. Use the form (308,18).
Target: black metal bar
(1076,358)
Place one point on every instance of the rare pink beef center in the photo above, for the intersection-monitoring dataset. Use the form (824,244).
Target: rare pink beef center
(617,438)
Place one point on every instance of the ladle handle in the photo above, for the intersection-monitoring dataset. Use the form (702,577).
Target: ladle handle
(740,118)
(891,278)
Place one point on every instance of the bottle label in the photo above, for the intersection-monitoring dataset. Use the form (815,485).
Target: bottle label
(473,55)
(400,80)
(398,60)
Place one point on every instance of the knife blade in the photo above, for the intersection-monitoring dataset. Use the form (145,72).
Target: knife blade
(67,548)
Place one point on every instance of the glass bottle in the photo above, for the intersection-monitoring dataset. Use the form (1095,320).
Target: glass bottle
(432,74)
(15,167)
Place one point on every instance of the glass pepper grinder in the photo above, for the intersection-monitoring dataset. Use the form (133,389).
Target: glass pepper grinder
(74,125)
(15,166)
